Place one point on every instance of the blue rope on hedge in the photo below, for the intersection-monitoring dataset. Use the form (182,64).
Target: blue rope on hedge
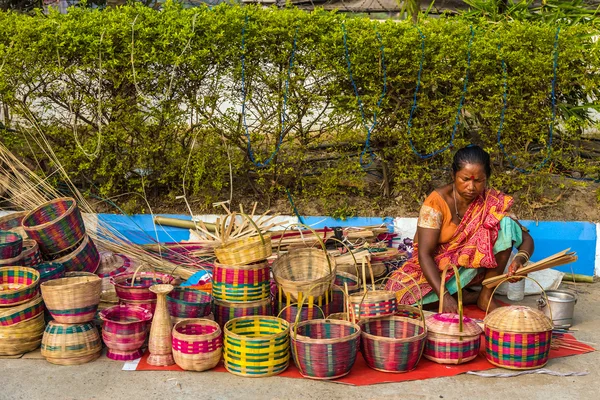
(460,103)
(285,98)
(369,129)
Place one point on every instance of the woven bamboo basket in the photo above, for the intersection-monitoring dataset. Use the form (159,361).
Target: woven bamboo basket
(56,225)
(49,271)
(112,265)
(325,349)
(239,283)
(245,251)
(186,302)
(11,244)
(22,337)
(149,305)
(124,331)
(225,311)
(451,338)
(197,344)
(256,346)
(13,222)
(311,307)
(31,255)
(18,285)
(210,317)
(71,344)
(372,303)
(74,299)
(23,312)
(136,285)
(84,258)
(338,301)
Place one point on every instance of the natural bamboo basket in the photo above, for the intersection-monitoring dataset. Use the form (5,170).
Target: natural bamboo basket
(13,315)
(197,344)
(71,344)
(72,300)
(245,251)
(84,258)
(22,337)
(18,285)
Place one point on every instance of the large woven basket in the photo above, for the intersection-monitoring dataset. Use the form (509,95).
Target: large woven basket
(11,244)
(257,346)
(245,251)
(239,283)
(56,225)
(72,300)
(18,285)
(84,258)
(23,312)
(136,285)
(124,331)
(325,349)
(71,344)
(225,311)
(49,271)
(197,344)
(184,302)
(13,222)
(22,337)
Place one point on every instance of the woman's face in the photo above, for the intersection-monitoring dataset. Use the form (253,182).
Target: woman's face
(470,181)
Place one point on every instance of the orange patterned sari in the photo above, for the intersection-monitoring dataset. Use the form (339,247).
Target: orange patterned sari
(471,246)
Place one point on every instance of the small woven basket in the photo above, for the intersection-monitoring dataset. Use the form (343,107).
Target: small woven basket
(136,285)
(49,271)
(189,303)
(124,331)
(84,258)
(239,283)
(31,255)
(23,312)
(13,222)
(257,346)
(197,344)
(74,299)
(18,285)
(372,303)
(71,344)
(11,245)
(325,349)
(225,311)
(245,251)
(56,225)
(22,337)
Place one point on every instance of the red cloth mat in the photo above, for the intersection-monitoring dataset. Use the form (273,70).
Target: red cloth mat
(361,374)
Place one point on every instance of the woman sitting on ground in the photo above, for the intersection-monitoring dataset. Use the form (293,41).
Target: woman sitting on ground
(465,224)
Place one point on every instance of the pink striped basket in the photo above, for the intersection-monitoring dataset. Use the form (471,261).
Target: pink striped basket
(197,344)
(11,245)
(18,285)
(23,312)
(84,258)
(124,331)
(189,303)
(136,286)
(241,283)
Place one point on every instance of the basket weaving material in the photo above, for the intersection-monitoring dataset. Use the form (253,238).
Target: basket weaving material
(325,349)
(242,282)
(392,344)
(245,251)
(149,305)
(124,331)
(22,337)
(72,300)
(310,272)
(84,258)
(11,244)
(136,286)
(71,344)
(56,225)
(517,337)
(49,271)
(18,285)
(197,344)
(256,346)
(189,303)
(225,311)
(23,312)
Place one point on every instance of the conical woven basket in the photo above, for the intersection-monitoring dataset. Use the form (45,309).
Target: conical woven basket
(73,299)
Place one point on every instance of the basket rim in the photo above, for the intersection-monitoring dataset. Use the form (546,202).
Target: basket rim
(414,338)
(192,303)
(19,238)
(242,304)
(69,211)
(197,321)
(246,242)
(30,270)
(70,281)
(142,314)
(285,332)
(308,339)
(372,295)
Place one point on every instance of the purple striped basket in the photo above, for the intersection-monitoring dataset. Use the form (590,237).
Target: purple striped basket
(189,303)
(224,310)
(11,245)
(136,286)
(24,312)
(197,344)
(49,271)
(84,258)
(18,285)
(124,331)
(56,225)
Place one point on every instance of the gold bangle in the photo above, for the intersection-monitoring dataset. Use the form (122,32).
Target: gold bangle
(523,254)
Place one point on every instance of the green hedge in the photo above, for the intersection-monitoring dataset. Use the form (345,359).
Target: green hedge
(183,92)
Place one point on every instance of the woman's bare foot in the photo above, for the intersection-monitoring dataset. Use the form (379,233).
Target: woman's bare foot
(483,301)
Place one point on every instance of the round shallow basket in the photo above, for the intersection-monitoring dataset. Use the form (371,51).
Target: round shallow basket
(72,300)
(245,251)
(197,344)
(308,271)
(56,225)
(257,346)
(84,258)
(136,286)
(49,271)
(224,310)
(23,312)
(392,344)
(189,303)
(18,285)
(22,337)
(241,282)
(124,331)
(11,244)
(373,303)
(71,344)
(324,349)
(31,255)
(13,222)
(517,337)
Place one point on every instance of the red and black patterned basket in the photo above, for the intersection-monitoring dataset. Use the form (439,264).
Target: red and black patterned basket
(189,303)
(18,285)
(11,245)
(197,344)
(85,258)
(56,225)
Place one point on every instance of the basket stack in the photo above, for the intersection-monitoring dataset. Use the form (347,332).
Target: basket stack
(241,278)
(21,327)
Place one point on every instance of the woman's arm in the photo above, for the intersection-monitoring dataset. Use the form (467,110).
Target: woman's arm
(525,251)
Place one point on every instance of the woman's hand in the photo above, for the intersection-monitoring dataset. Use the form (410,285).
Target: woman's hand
(514,266)
(450,304)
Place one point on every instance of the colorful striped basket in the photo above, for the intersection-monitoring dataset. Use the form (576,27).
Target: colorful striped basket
(136,285)
(18,285)
(56,225)
(11,245)
(112,265)
(325,349)
(392,344)
(373,303)
(224,310)
(197,344)
(71,344)
(31,255)
(22,337)
(23,312)
(124,331)
(186,302)
(49,271)
(245,251)
(352,282)
(84,258)
(74,299)
(312,307)
(257,346)
(239,283)
(149,305)
(13,222)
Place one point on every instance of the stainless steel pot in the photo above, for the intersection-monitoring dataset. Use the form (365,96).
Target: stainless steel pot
(562,303)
